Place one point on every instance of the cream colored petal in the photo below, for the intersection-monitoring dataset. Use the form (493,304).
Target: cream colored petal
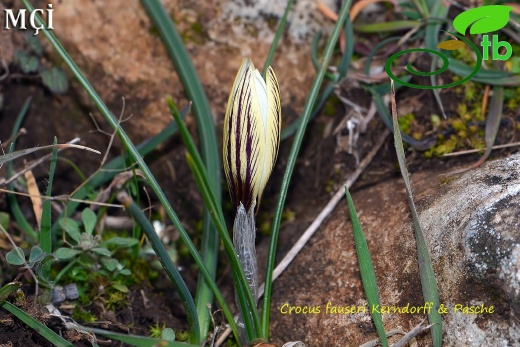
(242,141)
(272,129)
(251,134)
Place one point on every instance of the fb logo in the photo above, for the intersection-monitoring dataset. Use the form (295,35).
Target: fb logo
(480,20)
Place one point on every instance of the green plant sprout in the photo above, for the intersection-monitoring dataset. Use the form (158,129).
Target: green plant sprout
(37,261)
(28,60)
(162,332)
(90,256)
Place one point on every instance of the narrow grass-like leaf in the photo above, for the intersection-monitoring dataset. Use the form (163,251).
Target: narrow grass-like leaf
(382,110)
(164,258)
(41,329)
(17,154)
(436,92)
(429,285)
(422,8)
(208,143)
(201,177)
(11,198)
(133,340)
(430,3)
(46,226)
(439,10)
(314,56)
(343,65)
(386,26)
(276,38)
(65,270)
(121,241)
(347,54)
(493,121)
(191,82)
(376,49)
(291,161)
(7,289)
(492,77)
(368,275)
(126,140)
(5,219)
(342,69)
(292,128)
(245,297)
(112,168)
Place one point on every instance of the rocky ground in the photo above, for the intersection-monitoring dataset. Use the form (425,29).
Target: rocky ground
(469,221)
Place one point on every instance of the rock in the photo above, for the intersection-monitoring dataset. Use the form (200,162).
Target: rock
(302,21)
(471,228)
(473,236)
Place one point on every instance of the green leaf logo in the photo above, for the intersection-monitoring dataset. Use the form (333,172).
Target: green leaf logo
(483,19)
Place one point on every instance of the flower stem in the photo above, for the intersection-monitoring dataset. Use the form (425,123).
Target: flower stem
(244,232)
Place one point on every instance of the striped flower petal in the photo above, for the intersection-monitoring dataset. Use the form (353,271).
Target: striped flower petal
(251,134)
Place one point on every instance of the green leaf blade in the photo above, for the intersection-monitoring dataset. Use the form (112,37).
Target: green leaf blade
(56,80)
(368,275)
(71,228)
(102,251)
(7,289)
(168,334)
(109,263)
(64,253)
(428,282)
(43,330)
(28,63)
(133,340)
(123,242)
(36,255)
(291,161)
(208,144)
(15,256)
(46,220)
(89,220)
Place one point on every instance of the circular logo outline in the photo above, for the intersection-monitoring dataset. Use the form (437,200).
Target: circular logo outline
(443,68)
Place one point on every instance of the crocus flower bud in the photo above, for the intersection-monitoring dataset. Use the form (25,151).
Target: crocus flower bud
(251,134)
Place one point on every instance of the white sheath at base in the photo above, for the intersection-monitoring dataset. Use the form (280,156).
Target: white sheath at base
(244,233)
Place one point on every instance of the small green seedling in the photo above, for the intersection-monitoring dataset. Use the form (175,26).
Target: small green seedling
(162,332)
(87,242)
(37,257)
(28,60)
(89,255)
